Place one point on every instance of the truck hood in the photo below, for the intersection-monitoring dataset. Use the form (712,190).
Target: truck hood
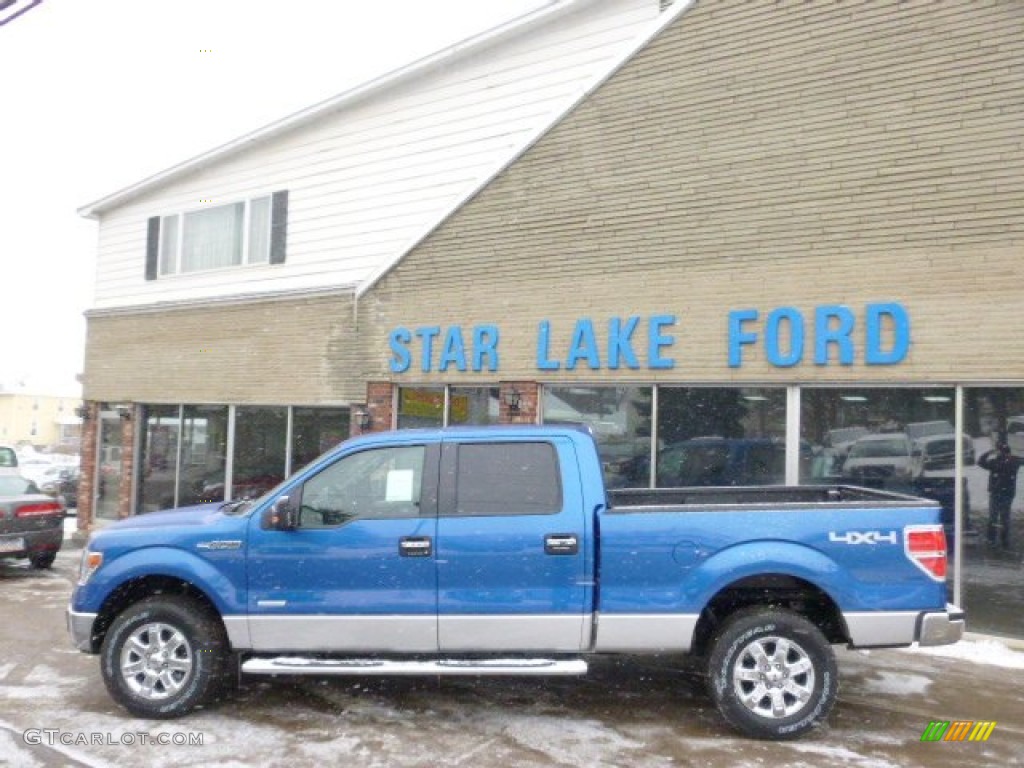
(201,514)
(183,528)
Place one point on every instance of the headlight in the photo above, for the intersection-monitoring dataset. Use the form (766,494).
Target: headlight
(91,562)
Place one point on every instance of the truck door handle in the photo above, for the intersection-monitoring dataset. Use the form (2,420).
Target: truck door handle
(414,546)
(561,544)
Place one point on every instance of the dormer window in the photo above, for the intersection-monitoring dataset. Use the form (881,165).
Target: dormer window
(218,237)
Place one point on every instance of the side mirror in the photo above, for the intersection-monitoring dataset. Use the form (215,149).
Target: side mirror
(283,515)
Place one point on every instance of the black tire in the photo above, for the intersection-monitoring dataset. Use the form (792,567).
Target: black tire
(186,667)
(42,559)
(788,692)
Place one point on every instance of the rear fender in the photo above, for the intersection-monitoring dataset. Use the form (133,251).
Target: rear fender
(760,558)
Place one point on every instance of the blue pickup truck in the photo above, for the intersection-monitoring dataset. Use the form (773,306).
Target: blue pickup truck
(498,551)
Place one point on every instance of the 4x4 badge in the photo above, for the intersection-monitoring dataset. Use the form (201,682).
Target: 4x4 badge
(864,537)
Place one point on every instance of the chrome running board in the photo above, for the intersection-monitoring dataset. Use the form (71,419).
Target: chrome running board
(299,665)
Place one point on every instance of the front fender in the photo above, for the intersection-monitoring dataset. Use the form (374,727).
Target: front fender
(760,558)
(226,595)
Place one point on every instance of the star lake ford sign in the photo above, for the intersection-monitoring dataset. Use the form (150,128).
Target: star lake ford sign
(828,335)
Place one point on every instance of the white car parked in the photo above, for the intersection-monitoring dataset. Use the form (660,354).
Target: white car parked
(35,467)
(879,460)
(934,455)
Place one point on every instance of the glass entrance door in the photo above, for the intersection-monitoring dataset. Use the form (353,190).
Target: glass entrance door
(108,466)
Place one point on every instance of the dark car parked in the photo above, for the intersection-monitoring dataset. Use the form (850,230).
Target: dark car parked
(704,461)
(64,486)
(31,523)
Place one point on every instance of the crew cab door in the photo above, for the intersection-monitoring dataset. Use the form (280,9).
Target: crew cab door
(512,546)
(357,572)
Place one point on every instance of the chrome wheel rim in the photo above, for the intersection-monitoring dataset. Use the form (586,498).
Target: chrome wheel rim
(156,661)
(773,677)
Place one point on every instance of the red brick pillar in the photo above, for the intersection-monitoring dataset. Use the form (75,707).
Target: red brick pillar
(125,494)
(380,406)
(528,411)
(87,467)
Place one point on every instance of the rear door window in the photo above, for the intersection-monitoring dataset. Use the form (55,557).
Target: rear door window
(507,479)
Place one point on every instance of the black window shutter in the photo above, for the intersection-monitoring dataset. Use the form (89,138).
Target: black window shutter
(278,226)
(152,247)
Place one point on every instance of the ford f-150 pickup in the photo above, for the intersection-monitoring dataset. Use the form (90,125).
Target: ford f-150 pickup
(498,551)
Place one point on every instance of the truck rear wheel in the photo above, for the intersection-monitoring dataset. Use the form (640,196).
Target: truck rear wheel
(772,674)
(164,656)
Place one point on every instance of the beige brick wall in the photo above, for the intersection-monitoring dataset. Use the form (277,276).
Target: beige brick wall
(288,351)
(757,155)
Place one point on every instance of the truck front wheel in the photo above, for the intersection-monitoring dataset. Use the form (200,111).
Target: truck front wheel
(772,673)
(163,656)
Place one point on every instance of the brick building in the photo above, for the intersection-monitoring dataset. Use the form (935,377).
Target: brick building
(767,226)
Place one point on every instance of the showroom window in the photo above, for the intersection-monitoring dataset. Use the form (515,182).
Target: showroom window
(620,420)
(203,456)
(472,405)
(260,450)
(992,575)
(315,431)
(420,407)
(720,436)
(446,406)
(158,459)
(183,450)
(868,436)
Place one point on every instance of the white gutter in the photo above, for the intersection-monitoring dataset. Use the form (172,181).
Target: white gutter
(345,99)
(295,294)
(629,50)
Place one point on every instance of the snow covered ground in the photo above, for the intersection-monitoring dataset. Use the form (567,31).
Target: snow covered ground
(649,713)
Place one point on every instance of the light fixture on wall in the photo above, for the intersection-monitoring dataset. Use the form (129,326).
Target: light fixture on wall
(512,400)
(364,420)
(82,412)
(124,411)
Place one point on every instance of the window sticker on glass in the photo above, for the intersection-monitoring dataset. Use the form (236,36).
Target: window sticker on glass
(400,485)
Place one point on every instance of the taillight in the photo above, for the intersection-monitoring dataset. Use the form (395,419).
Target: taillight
(926,547)
(40,508)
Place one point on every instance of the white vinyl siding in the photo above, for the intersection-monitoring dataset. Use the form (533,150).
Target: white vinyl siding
(370,179)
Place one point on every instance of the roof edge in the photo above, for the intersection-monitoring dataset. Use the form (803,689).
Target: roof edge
(629,51)
(494,34)
(340,291)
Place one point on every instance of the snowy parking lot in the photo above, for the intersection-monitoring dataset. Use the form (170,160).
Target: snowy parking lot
(55,711)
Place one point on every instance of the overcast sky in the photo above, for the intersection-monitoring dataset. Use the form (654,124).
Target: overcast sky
(99,94)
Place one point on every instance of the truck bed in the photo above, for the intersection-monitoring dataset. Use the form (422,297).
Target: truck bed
(765,496)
